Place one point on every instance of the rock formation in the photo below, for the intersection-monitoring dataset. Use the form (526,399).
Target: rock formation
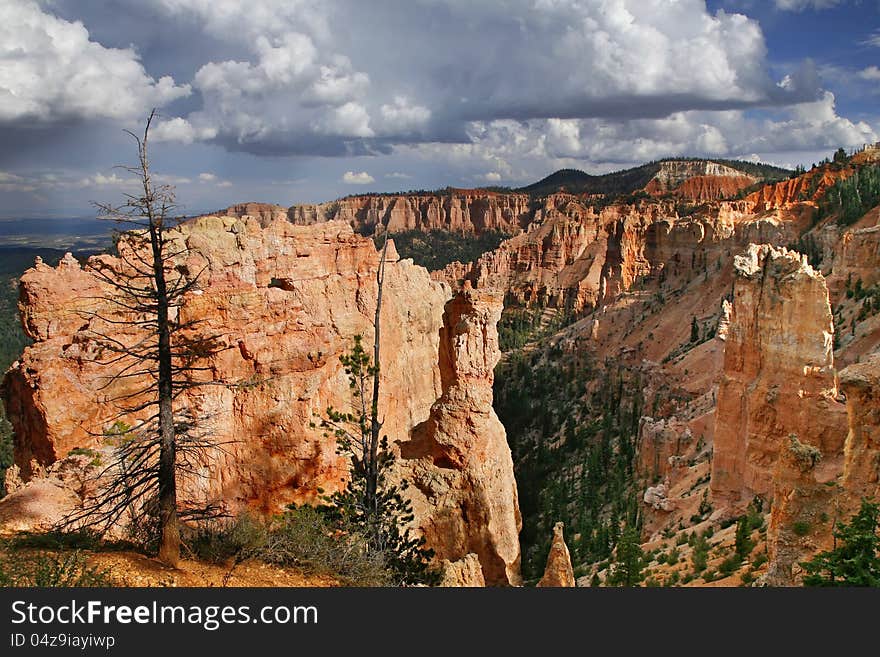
(574,257)
(462,211)
(808,187)
(778,377)
(287,301)
(466,572)
(265,213)
(861,473)
(657,498)
(458,460)
(558,572)
(698,180)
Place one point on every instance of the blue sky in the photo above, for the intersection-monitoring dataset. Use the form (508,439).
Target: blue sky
(291,101)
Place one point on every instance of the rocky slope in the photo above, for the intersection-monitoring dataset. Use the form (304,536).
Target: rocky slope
(732,346)
(286,302)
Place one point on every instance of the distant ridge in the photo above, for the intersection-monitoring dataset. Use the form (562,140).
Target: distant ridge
(628,181)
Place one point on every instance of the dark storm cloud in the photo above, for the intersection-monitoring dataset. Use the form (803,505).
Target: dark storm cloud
(340,78)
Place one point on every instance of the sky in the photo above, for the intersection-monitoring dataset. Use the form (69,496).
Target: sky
(300,101)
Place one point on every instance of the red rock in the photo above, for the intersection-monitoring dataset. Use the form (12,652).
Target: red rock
(558,572)
(287,300)
(465,211)
(778,376)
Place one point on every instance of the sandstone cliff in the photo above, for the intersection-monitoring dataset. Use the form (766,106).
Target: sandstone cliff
(698,180)
(574,257)
(861,475)
(265,213)
(286,301)
(778,377)
(461,211)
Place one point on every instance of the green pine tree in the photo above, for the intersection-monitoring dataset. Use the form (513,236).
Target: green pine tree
(855,558)
(743,541)
(370,504)
(629,561)
(695,330)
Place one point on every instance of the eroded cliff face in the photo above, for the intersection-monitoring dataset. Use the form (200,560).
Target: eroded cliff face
(576,258)
(458,460)
(780,427)
(698,180)
(778,378)
(286,302)
(265,213)
(861,474)
(462,211)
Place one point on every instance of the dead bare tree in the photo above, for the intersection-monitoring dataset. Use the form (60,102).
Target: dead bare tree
(153,356)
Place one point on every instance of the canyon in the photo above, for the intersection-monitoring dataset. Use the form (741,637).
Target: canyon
(711,343)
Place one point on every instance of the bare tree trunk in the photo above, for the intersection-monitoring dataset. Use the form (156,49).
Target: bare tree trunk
(169,541)
(372,468)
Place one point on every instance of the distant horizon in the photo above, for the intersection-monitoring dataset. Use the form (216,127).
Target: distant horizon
(59,214)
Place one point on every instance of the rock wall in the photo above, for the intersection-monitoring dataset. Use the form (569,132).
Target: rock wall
(698,180)
(778,378)
(576,258)
(265,213)
(465,211)
(286,302)
(861,474)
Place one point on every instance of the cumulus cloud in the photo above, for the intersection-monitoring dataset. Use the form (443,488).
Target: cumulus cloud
(403,117)
(360,178)
(51,70)
(499,89)
(870,73)
(523,150)
(207,177)
(307,87)
(180,130)
(10,182)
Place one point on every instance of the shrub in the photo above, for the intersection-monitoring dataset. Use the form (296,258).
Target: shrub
(730,565)
(235,539)
(49,570)
(82,539)
(700,554)
(744,543)
(801,528)
(300,537)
